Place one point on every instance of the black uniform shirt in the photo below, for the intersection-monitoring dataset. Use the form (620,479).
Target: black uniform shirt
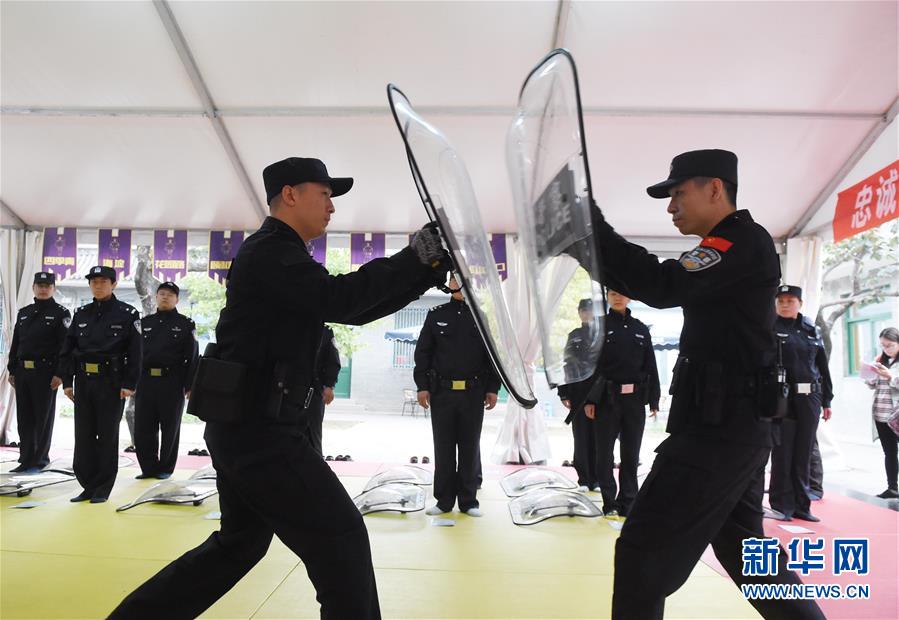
(169,341)
(451,345)
(327,366)
(278,298)
(627,355)
(803,354)
(725,285)
(109,328)
(38,335)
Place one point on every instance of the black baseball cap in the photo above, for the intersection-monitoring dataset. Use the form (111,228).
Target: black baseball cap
(295,170)
(713,163)
(585,304)
(786,289)
(101,272)
(45,277)
(169,285)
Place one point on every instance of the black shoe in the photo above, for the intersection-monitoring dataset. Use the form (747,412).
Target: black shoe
(18,469)
(414,460)
(193,452)
(889,494)
(806,516)
(566,463)
(616,465)
(347,457)
(98,499)
(82,497)
(130,449)
(143,476)
(329,458)
(202,452)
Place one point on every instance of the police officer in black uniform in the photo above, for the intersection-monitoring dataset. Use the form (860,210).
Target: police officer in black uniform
(705,485)
(327,367)
(102,351)
(811,388)
(578,375)
(33,359)
(270,480)
(167,370)
(455,376)
(629,380)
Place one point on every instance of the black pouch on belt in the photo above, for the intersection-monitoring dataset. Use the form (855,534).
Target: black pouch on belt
(218,390)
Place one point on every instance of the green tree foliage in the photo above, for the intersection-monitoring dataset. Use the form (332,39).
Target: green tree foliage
(204,300)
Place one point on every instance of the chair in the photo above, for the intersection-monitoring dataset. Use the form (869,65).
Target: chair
(410,399)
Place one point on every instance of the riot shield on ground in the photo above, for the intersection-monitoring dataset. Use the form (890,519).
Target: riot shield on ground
(448,197)
(547,160)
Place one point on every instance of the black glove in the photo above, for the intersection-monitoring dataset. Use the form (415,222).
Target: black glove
(427,245)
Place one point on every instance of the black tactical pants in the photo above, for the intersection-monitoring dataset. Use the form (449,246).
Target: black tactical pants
(585,460)
(158,406)
(700,490)
(456,419)
(35,415)
(98,413)
(622,416)
(315,417)
(270,482)
(789,489)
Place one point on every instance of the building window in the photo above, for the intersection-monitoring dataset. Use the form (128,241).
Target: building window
(862,330)
(404,350)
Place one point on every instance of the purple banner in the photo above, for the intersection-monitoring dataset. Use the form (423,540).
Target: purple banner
(60,252)
(365,247)
(114,250)
(498,244)
(169,254)
(223,246)
(318,249)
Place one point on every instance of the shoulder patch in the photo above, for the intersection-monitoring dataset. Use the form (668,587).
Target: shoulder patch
(66,320)
(718,243)
(700,258)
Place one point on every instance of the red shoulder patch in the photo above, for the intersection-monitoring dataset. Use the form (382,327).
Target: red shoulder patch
(719,243)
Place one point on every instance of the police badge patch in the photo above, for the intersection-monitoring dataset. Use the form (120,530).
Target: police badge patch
(700,258)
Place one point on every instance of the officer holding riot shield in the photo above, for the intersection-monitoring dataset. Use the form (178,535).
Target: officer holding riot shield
(169,362)
(253,389)
(705,485)
(456,378)
(102,352)
(327,367)
(37,337)
(811,389)
(628,381)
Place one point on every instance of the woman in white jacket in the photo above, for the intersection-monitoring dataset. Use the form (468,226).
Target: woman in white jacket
(886,403)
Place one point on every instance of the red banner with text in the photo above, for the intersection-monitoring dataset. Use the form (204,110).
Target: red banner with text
(867,204)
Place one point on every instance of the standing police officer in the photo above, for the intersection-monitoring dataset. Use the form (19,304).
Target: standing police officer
(705,485)
(102,351)
(270,480)
(167,370)
(802,351)
(454,374)
(37,337)
(327,367)
(574,394)
(628,382)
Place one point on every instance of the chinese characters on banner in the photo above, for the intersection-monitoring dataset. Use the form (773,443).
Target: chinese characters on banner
(170,254)
(318,249)
(867,204)
(114,250)
(60,252)
(223,246)
(498,244)
(365,247)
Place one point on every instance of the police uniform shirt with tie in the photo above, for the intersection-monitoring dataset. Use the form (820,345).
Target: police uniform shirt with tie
(101,357)
(811,389)
(705,485)
(452,363)
(38,335)
(629,382)
(169,362)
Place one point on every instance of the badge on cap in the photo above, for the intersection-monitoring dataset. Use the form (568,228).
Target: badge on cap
(96,270)
(784,289)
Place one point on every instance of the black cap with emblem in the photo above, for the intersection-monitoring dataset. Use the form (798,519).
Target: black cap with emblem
(712,163)
(786,289)
(585,304)
(44,277)
(170,286)
(101,272)
(295,170)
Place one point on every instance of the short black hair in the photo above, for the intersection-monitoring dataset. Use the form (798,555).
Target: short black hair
(729,188)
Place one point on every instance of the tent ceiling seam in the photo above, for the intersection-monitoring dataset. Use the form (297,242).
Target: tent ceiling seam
(8,213)
(196,78)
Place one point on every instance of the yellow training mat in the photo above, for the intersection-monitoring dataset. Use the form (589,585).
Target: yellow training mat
(64,560)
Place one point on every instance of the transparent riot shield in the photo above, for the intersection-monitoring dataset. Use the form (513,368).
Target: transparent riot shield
(22,484)
(542,504)
(547,160)
(529,478)
(403,474)
(396,497)
(448,197)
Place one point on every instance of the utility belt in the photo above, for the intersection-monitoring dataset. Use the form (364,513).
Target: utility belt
(225,391)
(160,371)
(458,385)
(36,364)
(813,387)
(99,365)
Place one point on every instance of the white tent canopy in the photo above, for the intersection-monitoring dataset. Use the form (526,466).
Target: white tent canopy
(163,114)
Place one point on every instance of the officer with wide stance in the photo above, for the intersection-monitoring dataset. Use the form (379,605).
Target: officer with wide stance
(37,337)
(258,384)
